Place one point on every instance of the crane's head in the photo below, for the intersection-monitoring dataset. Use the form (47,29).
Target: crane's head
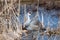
(29,12)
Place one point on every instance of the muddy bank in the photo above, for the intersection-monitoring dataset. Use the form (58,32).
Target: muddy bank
(48,4)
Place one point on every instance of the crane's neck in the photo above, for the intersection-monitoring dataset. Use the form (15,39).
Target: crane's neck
(28,16)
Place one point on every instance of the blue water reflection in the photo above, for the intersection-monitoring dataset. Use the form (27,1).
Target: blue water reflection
(47,17)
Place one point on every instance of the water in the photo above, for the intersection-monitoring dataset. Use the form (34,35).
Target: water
(48,17)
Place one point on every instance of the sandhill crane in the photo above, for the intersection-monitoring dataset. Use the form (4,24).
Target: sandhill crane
(28,19)
(34,24)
